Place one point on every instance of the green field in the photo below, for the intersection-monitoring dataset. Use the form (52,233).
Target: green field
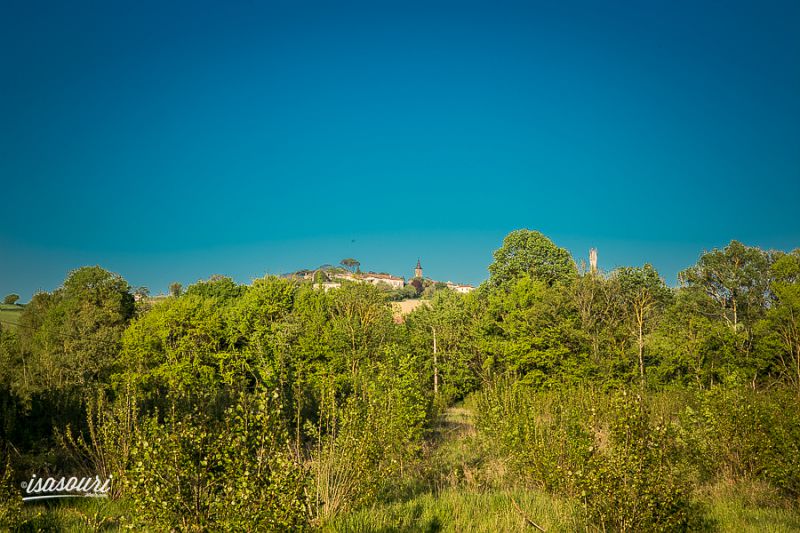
(9,314)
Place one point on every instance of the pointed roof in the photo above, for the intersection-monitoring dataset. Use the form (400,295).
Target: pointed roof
(418,265)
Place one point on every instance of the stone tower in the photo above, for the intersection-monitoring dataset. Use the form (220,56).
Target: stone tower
(418,270)
(593,260)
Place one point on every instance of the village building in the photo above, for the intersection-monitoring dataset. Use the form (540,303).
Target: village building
(376,279)
(463,289)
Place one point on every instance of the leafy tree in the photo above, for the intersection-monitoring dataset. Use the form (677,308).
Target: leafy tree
(642,295)
(529,252)
(361,321)
(690,345)
(418,286)
(736,284)
(11,299)
(782,323)
(217,286)
(351,264)
(193,472)
(178,347)
(600,316)
(140,293)
(72,337)
(175,289)
(451,319)
(737,278)
(530,329)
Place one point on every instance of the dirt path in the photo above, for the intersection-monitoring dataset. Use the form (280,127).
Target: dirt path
(456,423)
(452,456)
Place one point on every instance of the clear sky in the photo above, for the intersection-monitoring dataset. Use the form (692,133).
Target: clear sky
(170,141)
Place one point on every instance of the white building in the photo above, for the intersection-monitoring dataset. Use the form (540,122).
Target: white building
(463,289)
(393,281)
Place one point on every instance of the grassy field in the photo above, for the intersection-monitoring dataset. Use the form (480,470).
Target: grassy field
(9,314)
(499,510)
(75,515)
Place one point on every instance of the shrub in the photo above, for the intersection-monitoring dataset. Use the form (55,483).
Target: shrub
(606,452)
(111,430)
(633,480)
(748,434)
(10,500)
(364,443)
(539,435)
(192,473)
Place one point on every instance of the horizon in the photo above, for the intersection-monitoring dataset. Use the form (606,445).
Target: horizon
(437,276)
(170,143)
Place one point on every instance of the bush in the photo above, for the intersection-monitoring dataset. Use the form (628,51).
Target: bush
(111,430)
(604,451)
(364,444)
(192,473)
(633,480)
(10,500)
(744,434)
(539,435)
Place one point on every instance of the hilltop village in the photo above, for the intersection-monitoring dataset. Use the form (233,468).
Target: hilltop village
(329,277)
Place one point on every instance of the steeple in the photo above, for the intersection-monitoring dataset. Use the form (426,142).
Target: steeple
(418,270)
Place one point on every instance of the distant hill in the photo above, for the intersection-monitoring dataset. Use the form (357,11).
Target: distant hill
(9,314)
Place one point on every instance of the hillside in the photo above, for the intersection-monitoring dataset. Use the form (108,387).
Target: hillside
(9,314)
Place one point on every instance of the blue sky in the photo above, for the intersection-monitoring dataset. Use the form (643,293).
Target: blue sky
(171,142)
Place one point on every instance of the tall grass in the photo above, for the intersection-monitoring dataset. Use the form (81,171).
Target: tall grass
(459,510)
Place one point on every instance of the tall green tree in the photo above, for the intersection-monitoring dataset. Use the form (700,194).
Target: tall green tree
(690,345)
(217,286)
(526,252)
(175,289)
(73,336)
(642,296)
(529,329)
(737,278)
(736,284)
(350,264)
(782,322)
(451,322)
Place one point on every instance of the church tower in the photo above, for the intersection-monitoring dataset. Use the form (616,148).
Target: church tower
(418,270)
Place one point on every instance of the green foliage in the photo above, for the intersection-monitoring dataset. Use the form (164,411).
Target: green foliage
(541,437)
(217,286)
(276,405)
(743,434)
(70,339)
(642,295)
(10,499)
(780,330)
(360,321)
(177,346)
(736,278)
(452,317)
(368,439)
(530,329)
(190,472)
(111,432)
(633,480)
(175,289)
(11,299)
(623,465)
(529,252)
(351,264)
